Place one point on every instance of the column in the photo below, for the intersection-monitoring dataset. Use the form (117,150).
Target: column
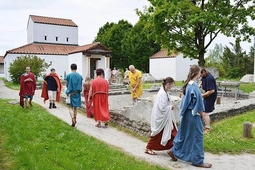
(88,64)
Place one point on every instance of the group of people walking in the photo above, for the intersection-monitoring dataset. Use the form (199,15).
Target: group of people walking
(184,142)
(187,141)
(95,93)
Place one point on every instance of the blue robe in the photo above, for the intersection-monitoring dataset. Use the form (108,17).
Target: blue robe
(189,141)
(74,88)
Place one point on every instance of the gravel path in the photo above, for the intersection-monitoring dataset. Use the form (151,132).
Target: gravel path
(131,145)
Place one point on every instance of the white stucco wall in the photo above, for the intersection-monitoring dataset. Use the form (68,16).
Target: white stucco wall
(100,63)
(39,31)
(76,59)
(177,68)
(7,60)
(30,31)
(1,70)
(162,68)
(182,67)
(59,62)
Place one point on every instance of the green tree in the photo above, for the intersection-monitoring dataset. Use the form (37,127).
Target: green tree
(190,26)
(111,35)
(137,47)
(36,64)
(236,61)
(214,59)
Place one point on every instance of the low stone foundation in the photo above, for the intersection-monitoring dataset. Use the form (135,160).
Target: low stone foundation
(138,127)
(137,118)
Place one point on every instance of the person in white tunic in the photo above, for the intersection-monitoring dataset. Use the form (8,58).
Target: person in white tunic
(163,124)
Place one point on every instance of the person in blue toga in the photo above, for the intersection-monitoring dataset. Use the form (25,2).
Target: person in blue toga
(189,141)
(74,89)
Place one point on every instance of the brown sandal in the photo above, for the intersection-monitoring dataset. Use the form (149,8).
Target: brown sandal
(73,121)
(172,156)
(98,125)
(150,152)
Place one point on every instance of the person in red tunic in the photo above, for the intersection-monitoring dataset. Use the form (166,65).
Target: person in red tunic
(89,105)
(51,88)
(27,87)
(99,92)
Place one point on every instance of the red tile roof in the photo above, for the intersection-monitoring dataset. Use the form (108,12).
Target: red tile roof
(56,49)
(47,49)
(1,59)
(164,54)
(53,21)
(97,45)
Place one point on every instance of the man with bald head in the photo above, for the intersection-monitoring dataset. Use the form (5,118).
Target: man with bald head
(135,82)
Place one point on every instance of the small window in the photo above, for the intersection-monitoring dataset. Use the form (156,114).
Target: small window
(67,39)
(56,38)
(45,37)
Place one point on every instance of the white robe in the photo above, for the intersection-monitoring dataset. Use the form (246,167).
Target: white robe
(162,116)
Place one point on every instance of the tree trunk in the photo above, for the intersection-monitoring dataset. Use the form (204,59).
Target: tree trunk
(201,59)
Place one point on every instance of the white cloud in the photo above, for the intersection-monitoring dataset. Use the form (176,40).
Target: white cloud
(88,15)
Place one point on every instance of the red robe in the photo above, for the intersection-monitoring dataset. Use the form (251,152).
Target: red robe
(89,106)
(44,93)
(27,87)
(154,141)
(100,89)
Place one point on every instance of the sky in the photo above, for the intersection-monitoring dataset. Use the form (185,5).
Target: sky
(89,15)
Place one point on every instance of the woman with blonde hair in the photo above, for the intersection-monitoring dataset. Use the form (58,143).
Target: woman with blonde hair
(89,105)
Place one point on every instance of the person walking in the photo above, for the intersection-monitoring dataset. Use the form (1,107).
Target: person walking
(27,88)
(210,96)
(51,88)
(135,82)
(189,141)
(163,124)
(74,89)
(89,105)
(99,93)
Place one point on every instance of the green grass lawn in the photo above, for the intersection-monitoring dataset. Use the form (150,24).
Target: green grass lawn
(34,139)
(11,85)
(226,135)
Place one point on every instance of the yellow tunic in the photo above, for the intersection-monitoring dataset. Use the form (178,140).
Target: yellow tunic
(133,78)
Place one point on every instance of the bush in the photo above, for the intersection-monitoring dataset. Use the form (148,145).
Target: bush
(36,64)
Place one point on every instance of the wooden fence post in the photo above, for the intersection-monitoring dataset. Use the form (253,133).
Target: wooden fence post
(218,100)
(247,127)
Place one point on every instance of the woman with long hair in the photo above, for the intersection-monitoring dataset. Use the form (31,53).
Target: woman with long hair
(163,125)
(189,141)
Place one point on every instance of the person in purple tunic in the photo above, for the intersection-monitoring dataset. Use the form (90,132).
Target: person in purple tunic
(189,141)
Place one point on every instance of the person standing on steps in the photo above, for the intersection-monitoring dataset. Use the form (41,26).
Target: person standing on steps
(163,124)
(27,88)
(74,89)
(99,93)
(52,88)
(135,82)
(189,141)
(210,96)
